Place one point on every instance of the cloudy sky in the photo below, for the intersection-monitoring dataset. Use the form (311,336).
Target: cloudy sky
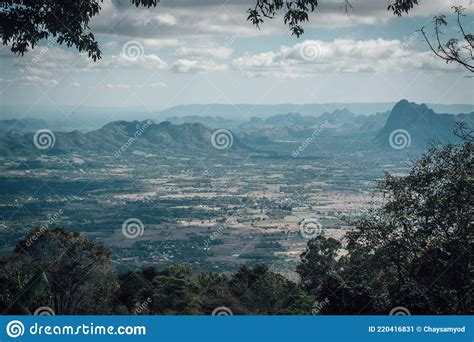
(205,51)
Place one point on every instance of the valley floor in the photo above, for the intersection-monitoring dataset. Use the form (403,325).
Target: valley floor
(211,211)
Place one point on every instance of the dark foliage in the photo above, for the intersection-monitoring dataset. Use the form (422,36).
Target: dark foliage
(402,6)
(64,271)
(415,251)
(23,23)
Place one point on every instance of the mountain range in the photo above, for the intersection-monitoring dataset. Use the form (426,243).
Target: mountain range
(90,118)
(120,137)
(22,125)
(420,122)
(246,111)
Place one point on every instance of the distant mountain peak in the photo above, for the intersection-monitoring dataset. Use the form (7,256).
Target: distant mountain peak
(419,122)
(404,108)
(343,111)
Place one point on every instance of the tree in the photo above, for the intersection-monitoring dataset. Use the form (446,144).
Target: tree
(318,262)
(215,291)
(135,288)
(17,293)
(402,6)
(320,274)
(80,276)
(174,292)
(453,50)
(264,292)
(24,23)
(416,251)
(465,133)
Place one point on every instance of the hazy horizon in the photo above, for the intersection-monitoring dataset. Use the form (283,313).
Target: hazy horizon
(183,53)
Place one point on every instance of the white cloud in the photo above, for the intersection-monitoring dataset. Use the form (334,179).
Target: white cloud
(47,61)
(34,80)
(158,85)
(115,86)
(166,19)
(130,86)
(142,61)
(159,43)
(56,61)
(210,51)
(202,56)
(313,57)
(195,66)
(187,18)
(175,19)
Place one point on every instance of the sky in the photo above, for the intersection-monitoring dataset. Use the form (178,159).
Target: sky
(188,52)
